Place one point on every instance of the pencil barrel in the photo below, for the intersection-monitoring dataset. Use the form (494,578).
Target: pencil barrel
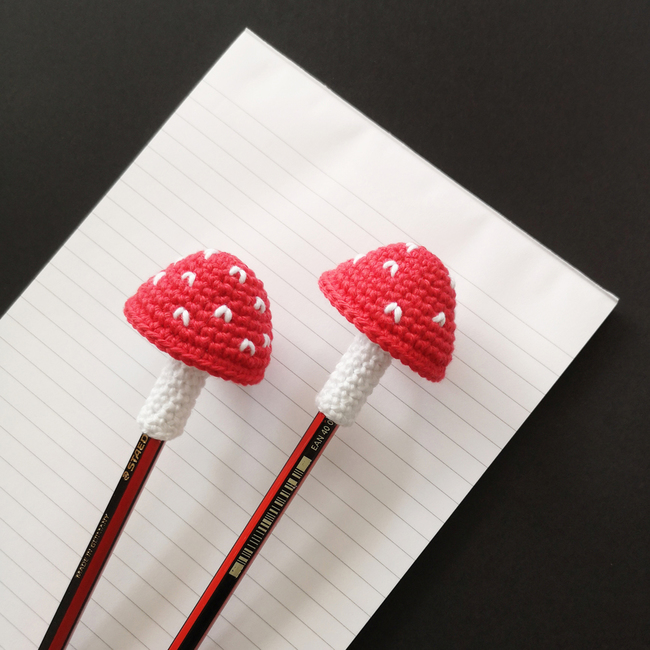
(255,534)
(102,542)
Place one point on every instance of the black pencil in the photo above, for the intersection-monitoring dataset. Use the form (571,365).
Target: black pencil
(211,314)
(102,542)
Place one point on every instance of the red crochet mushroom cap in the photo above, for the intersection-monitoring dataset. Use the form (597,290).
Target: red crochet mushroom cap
(209,311)
(401,297)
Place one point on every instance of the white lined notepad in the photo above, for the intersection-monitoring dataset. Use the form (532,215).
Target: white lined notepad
(265,163)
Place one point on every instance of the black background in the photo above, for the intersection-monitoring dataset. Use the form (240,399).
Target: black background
(538,108)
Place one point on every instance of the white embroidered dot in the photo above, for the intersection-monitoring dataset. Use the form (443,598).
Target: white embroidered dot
(246,344)
(396,309)
(184,314)
(223,312)
(259,305)
(242,274)
(441,319)
(358,257)
(189,276)
(209,251)
(411,247)
(267,340)
(158,277)
(393,267)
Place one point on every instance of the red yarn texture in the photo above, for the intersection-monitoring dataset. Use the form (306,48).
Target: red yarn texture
(418,283)
(205,341)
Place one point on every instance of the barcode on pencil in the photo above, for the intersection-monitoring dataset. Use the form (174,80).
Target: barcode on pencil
(272,512)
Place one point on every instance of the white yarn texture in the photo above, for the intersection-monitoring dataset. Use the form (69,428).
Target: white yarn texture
(353,379)
(171,400)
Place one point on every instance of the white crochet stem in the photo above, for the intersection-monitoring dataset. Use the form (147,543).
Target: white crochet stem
(171,400)
(353,379)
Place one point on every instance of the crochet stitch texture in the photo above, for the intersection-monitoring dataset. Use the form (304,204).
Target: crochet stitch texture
(209,311)
(401,297)
(168,407)
(355,377)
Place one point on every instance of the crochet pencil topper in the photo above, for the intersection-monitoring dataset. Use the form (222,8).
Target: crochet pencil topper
(402,301)
(211,314)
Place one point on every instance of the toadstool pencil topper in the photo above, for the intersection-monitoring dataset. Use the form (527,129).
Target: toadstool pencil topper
(211,315)
(402,301)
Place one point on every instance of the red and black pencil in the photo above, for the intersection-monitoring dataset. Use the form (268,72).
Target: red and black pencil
(402,300)
(102,542)
(211,314)
(251,540)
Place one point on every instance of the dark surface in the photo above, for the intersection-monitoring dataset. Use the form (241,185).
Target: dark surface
(538,108)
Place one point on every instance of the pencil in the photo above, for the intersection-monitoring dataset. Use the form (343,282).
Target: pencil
(402,300)
(211,314)
(102,542)
(259,528)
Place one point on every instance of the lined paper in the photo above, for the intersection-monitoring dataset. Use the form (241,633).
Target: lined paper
(264,162)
